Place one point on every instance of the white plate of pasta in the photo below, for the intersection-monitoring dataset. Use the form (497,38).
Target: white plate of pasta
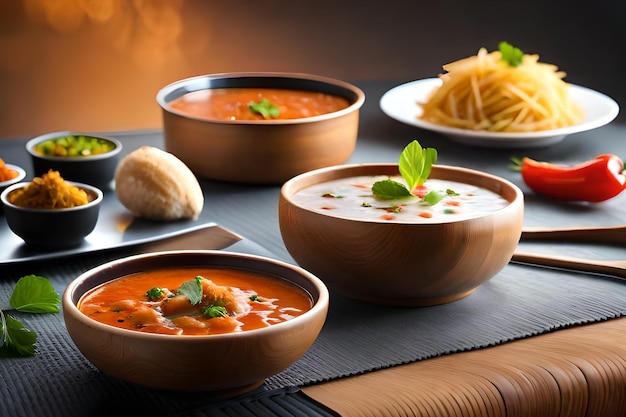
(402,103)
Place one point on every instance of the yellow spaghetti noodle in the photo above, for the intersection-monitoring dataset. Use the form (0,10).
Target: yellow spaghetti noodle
(483,92)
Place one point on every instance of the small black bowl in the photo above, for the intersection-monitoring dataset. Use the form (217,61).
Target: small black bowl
(93,169)
(21,174)
(53,228)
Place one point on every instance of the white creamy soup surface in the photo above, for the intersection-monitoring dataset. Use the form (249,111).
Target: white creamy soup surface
(352,198)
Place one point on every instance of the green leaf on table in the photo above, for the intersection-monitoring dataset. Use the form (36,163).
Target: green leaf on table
(32,294)
(35,294)
(17,340)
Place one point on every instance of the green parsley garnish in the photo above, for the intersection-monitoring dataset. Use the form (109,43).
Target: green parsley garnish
(415,164)
(32,294)
(510,54)
(433,198)
(265,108)
(192,289)
(16,339)
(390,190)
(154,293)
(214,311)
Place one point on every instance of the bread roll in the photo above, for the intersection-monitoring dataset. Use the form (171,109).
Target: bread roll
(156,185)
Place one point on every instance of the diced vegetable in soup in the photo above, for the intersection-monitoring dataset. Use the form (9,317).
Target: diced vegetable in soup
(257,104)
(195,301)
(434,201)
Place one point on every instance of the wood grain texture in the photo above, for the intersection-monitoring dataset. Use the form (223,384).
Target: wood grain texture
(225,365)
(608,234)
(267,151)
(613,268)
(576,372)
(395,263)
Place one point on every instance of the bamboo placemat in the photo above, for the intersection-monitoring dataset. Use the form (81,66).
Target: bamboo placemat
(580,371)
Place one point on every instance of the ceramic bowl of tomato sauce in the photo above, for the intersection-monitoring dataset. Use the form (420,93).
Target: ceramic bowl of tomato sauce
(259,128)
(211,321)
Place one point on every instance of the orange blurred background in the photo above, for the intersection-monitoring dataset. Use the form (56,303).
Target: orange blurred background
(96,65)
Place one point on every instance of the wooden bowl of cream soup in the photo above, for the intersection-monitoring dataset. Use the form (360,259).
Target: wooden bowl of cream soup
(259,128)
(394,252)
(210,321)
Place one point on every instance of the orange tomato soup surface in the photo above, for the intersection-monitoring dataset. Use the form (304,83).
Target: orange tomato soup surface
(246,300)
(234,103)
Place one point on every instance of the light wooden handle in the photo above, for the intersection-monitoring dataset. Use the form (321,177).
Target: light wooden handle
(613,268)
(612,234)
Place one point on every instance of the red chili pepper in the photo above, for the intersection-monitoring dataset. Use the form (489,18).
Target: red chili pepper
(596,180)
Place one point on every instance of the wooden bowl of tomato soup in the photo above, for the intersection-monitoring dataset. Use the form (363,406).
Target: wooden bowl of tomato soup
(212,321)
(259,128)
(397,253)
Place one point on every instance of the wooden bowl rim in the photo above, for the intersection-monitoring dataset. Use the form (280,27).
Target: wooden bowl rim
(71,310)
(355,104)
